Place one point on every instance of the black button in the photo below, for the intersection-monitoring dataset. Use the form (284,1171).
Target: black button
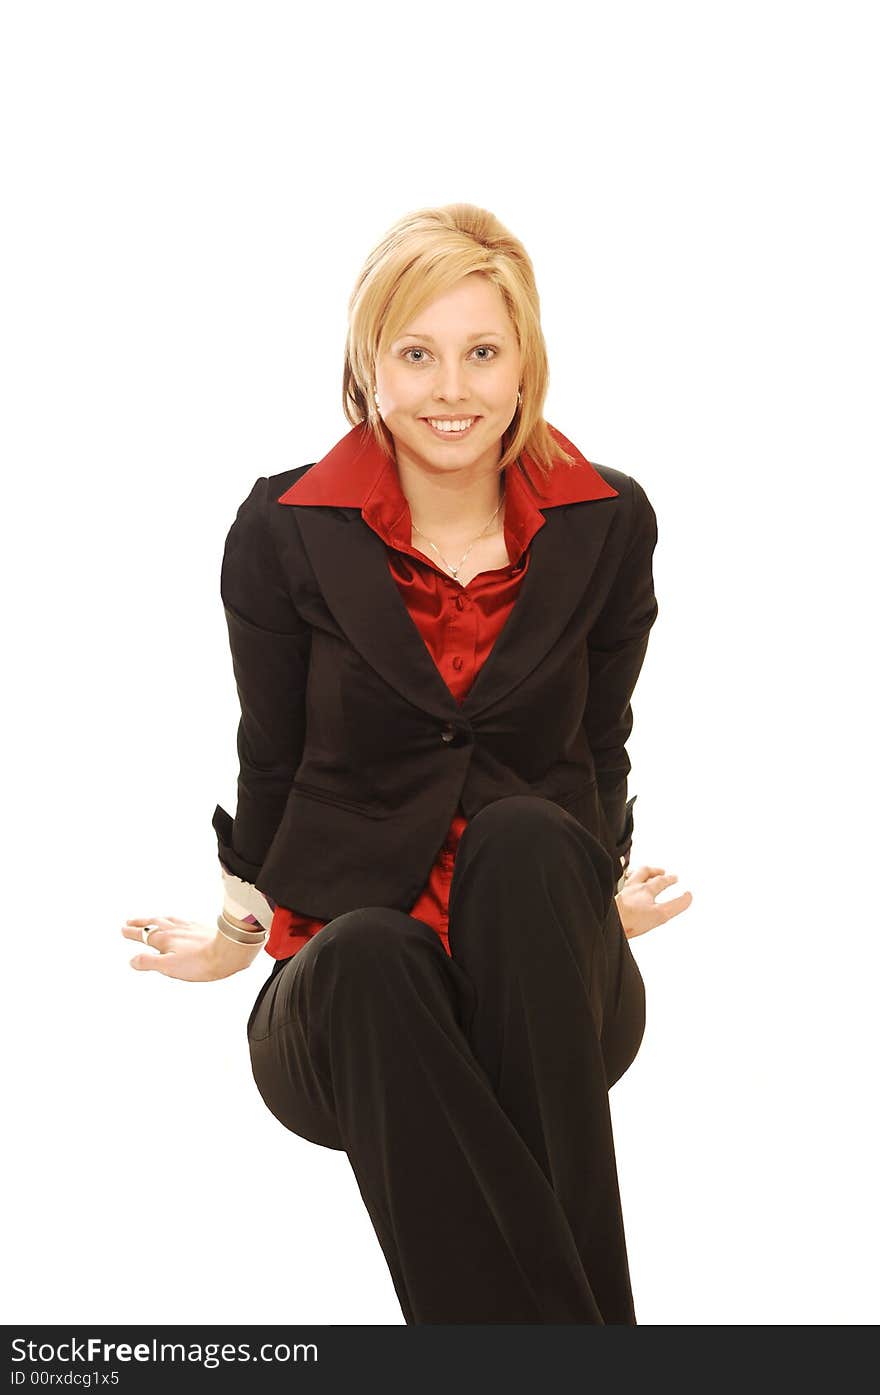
(455,735)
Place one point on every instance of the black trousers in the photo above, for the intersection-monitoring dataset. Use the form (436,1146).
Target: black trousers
(470,1092)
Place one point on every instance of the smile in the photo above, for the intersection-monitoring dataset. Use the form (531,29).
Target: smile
(460,426)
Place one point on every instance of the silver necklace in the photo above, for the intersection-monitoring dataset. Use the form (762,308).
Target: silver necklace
(461,560)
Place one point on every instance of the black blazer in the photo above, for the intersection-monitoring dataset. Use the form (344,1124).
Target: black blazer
(353,753)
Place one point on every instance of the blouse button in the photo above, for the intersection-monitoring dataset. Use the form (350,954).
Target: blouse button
(460,602)
(457,662)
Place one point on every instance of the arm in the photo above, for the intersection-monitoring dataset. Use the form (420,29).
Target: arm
(269,643)
(270,647)
(617,645)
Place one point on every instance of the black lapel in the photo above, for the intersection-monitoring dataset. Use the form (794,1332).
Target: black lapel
(351,566)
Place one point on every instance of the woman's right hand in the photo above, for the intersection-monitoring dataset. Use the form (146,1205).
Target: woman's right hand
(637,905)
(188,950)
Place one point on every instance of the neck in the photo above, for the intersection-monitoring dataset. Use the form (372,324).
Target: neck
(453,504)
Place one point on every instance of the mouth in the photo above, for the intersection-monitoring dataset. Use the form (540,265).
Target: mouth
(451,428)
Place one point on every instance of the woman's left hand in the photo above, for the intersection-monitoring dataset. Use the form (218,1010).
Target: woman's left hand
(639,910)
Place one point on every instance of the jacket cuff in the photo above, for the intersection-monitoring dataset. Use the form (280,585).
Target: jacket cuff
(229,859)
(240,897)
(624,846)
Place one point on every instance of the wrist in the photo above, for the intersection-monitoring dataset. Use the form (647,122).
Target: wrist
(621,907)
(229,956)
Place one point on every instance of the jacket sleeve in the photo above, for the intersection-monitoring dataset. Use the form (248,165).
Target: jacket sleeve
(617,643)
(269,643)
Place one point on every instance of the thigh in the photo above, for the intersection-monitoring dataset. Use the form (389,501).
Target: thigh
(532,884)
(289,1025)
(282,1062)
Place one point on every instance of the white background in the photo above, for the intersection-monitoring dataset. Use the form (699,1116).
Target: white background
(190,190)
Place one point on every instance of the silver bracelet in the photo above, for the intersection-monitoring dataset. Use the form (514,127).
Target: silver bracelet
(238,936)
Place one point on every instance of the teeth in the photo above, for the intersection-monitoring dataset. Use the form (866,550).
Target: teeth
(461,425)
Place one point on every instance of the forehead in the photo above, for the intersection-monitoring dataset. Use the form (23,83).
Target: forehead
(472,307)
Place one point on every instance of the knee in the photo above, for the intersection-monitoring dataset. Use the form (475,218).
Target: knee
(521,830)
(517,814)
(368,936)
(528,822)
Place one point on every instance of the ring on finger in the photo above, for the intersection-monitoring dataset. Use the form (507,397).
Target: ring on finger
(147,931)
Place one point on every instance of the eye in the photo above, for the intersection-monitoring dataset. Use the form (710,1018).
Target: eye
(490,348)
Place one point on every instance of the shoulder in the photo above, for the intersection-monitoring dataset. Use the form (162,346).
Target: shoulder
(262,554)
(259,564)
(278,483)
(252,518)
(616,478)
(637,516)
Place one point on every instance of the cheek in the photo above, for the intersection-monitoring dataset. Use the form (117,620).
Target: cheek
(498,387)
(400,415)
(511,380)
(399,393)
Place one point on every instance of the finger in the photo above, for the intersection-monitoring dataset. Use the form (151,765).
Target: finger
(161,963)
(131,933)
(164,920)
(644,874)
(662,882)
(161,940)
(133,927)
(163,943)
(675,906)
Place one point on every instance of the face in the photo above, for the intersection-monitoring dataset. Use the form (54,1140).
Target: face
(457,360)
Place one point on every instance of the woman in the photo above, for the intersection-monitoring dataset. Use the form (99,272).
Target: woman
(436,631)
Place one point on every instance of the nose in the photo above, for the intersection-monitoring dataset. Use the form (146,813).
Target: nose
(449,385)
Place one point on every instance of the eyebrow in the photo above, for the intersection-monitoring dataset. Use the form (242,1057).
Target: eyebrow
(483,334)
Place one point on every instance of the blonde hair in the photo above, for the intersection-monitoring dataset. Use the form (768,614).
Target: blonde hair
(423,255)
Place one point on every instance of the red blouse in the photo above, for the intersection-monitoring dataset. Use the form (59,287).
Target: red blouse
(459,624)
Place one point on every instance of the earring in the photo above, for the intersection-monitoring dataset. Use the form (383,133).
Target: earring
(519,399)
